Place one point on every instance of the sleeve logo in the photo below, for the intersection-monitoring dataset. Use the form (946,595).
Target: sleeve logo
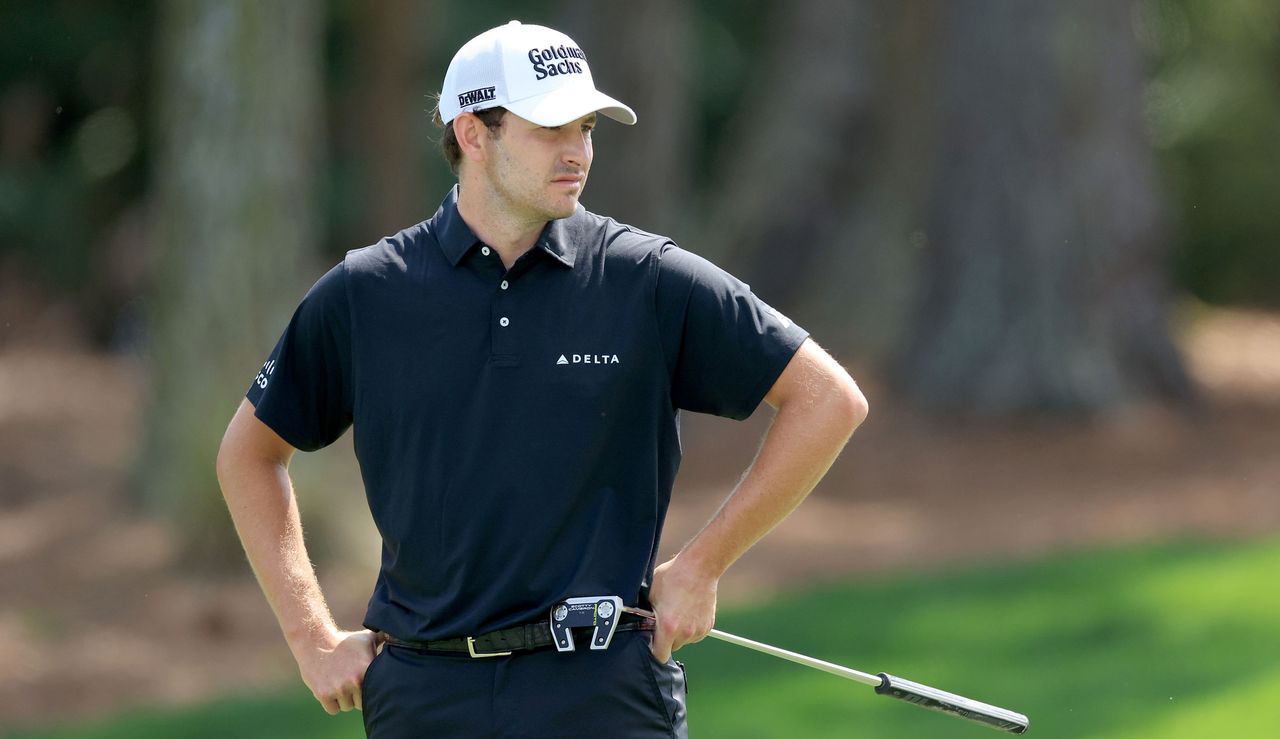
(786,322)
(265,375)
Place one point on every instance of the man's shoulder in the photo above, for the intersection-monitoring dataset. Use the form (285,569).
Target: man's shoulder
(617,240)
(390,254)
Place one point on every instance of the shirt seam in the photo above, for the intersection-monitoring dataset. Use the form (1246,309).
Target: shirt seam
(351,337)
(669,364)
(769,376)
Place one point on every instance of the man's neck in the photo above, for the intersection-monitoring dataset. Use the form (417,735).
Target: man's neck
(504,231)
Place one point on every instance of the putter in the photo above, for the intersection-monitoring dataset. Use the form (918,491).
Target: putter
(886,684)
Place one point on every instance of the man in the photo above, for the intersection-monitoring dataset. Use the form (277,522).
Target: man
(513,369)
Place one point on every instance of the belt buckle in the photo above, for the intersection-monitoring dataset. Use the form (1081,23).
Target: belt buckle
(471,649)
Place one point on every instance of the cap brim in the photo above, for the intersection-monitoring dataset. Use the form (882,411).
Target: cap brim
(569,104)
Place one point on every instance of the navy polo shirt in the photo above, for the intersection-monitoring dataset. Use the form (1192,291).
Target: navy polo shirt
(517,430)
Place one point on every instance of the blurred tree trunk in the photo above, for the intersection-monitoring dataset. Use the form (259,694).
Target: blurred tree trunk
(856,293)
(641,54)
(788,159)
(1044,256)
(391,120)
(816,181)
(238,110)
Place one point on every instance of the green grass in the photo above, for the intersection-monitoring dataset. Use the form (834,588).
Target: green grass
(286,714)
(1177,641)
(1171,641)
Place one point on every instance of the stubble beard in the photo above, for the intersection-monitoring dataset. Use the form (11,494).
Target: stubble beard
(529,198)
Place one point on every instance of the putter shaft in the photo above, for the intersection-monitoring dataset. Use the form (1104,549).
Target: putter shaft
(801,659)
(837,670)
(885,684)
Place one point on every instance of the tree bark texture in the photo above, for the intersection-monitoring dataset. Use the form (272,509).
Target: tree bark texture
(1043,286)
(234,224)
(390,127)
(857,292)
(782,171)
(640,53)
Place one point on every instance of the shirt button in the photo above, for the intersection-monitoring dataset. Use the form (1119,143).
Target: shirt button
(504,321)
(504,285)
(484,250)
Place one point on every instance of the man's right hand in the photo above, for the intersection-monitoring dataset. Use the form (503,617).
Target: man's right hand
(334,668)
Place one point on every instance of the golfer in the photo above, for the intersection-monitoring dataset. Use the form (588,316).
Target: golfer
(513,369)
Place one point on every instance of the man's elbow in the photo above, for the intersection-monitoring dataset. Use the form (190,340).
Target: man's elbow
(249,445)
(848,404)
(227,461)
(235,453)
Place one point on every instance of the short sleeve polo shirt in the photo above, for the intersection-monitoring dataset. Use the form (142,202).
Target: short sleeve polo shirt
(516,429)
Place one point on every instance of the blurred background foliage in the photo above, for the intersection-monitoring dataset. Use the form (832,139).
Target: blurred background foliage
(74,144)
(994,209)
(999,210)
(1213,110)
(76,112)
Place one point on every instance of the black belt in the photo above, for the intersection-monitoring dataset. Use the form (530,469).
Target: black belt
(505,641)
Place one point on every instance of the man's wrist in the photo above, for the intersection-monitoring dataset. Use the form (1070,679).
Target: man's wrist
(312,634)
(698,565)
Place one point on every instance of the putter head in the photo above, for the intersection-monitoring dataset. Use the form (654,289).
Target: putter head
(599,611)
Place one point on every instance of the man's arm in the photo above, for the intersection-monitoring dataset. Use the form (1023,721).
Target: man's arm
(253,470)
(818,407)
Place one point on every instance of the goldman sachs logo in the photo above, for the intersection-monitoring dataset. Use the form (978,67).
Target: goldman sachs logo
(588,359)
(556,60)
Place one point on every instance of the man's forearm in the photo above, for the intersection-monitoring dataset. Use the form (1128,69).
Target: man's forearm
(803,441)
(260,497)
(253,471)
(819,407)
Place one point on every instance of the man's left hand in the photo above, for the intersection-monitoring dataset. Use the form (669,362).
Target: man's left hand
(684,601)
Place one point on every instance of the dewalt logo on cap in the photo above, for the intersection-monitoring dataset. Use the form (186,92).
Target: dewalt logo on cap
(471,97)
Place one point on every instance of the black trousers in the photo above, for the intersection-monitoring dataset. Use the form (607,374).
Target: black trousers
(619,692)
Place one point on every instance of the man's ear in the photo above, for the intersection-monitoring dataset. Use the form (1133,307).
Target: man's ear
(471,133)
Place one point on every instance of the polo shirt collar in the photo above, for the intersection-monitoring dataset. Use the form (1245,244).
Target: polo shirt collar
(555,239)
(456,238)
(452,233)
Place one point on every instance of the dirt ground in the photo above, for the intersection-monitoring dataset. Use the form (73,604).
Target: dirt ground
(95,617)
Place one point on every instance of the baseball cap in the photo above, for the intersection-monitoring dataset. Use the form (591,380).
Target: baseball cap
(533,71)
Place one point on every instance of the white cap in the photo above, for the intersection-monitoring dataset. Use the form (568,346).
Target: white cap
(533,71)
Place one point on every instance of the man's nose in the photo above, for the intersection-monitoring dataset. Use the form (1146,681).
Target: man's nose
(578,150)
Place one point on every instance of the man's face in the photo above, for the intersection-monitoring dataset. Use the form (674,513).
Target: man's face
(538,171)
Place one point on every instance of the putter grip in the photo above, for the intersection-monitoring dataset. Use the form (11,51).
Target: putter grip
(956,705)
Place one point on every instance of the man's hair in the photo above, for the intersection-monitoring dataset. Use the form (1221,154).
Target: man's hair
(491,118)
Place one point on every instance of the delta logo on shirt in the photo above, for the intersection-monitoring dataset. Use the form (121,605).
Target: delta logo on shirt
(588,359)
